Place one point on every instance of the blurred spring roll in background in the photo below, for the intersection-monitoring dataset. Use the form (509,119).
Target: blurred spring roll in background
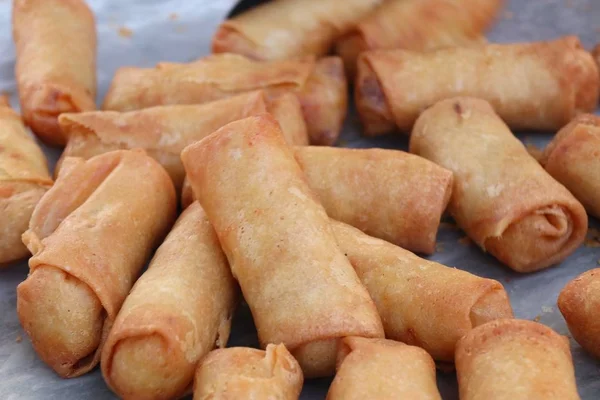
(380,369)
(573,159)
(245,373)
(320,87)
(502,197)
(90,235)
(56,62)
(421,303)
(178,311)
(515,360)
(24,178)
(418,25)
(301,289)
(164,131)
(388,194)
(285,29)
(579,303)
(596,54)
(538,86)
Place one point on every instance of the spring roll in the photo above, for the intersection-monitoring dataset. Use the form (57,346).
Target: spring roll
(573,159)
(245,373)
(354,187)
(56,62)
(418,25)
(164,131)
(502,198)
(515,360)
(284,29)
(178,311)
(579,303)
(24,178)
(301,290)
(536,86)
(90,235)
(380,369)
(421,302)
(596,54)
(320,87)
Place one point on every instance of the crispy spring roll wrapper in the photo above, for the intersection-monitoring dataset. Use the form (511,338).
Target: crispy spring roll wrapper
(537,86)
(245,373)
(301,289)
(573,159)
(502,197)
(287,29)
(353,186)
(596,54)
(90,235)
(380,369)
(320,87)
(24,178)
(418,25)
(164,131)
(515,360)
(56,62)
(178,311)
(579,303)
(421,302)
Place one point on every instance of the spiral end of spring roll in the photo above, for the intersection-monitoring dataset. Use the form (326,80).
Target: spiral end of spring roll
(373,109)
(228,39)
(64,319)
(491,306)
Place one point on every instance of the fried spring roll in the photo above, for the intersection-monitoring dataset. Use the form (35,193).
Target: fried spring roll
(164,131)
(245,373)
(90,235)
(539,86)
(418,25)
(380,369)
(320,87)
(286,29)
(56,62)
(301,289)
(24,178)
(596,54)
(579,303)
(573,159)
(502,197)
(515,360)
(178,311)
(421,303)
(354,187)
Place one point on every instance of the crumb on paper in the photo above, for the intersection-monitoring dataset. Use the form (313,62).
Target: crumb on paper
(537,318)
(180,28)
(592,238)
(547,310)
(465,240)
(534,151)
(125,32)
(439,247)
(508,15)
(173,16)
(19,339)
(508,280)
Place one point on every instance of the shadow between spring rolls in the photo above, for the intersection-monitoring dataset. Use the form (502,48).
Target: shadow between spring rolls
(90,235)
(502,197)
(301,289)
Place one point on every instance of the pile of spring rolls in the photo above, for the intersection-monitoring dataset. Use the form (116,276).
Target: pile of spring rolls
(220,176)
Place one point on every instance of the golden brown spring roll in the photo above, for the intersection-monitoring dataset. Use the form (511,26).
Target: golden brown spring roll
(418,25)
(90,235)
(320,87)
(573,159)
(539,86)
(301,289)
(245,373)
(579,303)
(502,197)
(178,311)
(515,360)
(380,369)
(354,187)
(286,29)
(24,178)
(596,54)
(164,131)
(421,302)
(56,62)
